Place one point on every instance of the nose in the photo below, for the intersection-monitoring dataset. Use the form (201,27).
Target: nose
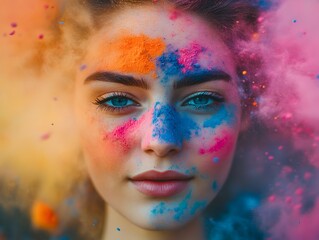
(162,131)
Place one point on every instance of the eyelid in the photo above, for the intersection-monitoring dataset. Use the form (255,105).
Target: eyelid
(111,95)
(218,97)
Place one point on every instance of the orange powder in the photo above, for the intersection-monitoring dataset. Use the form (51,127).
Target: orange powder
(134,54)
(43,216)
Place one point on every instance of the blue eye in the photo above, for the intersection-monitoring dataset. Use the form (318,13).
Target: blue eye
(203,100)
(118,101)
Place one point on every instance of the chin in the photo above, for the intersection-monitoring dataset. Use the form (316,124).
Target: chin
(161,221)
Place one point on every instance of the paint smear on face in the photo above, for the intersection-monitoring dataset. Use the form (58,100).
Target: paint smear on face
(121,134)
(170,127)
(225,115)
(134,54)
(219,144)
(178,62)
(188,57)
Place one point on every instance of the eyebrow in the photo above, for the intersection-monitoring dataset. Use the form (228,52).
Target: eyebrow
(117,78)
(202,77)
(186,81)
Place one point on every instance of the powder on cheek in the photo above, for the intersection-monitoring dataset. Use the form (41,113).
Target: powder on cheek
(223,143)
(121,135)
(134,54)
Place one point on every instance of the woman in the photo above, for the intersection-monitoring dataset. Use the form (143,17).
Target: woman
(159,107)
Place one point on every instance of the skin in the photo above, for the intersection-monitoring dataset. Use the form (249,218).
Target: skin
(120,144)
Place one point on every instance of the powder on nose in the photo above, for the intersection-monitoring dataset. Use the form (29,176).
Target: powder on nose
(135,54)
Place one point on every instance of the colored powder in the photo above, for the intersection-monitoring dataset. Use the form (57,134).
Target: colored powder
(135,54)
(215,185)
(43,216)
(182,206)
(219,144)
(188,57)
(198,206)
(120,134)
(174,15)
(118,229)
(159,209)
(225,114)
(216,160)
(170,127)
(168,64)
(45,136)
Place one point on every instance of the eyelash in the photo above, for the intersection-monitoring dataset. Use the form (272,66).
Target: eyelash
(214,96)
(101,101)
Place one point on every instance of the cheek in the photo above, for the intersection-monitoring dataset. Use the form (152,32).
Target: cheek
(216,149)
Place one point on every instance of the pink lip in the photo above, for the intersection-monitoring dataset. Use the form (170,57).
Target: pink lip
(160,184)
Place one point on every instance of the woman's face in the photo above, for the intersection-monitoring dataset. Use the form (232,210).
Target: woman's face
(158,111)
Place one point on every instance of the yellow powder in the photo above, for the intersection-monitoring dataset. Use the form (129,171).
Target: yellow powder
(134,54)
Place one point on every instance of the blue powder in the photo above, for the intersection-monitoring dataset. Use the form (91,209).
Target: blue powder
(265,4)
(170,127)
(182,206)
(294,20)
(159,209)
(198,206)
(225,114)
(168,63)
(118,229)
(215,159)
(215,185)
(317,76)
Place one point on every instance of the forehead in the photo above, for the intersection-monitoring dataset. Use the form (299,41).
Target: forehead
(168,29)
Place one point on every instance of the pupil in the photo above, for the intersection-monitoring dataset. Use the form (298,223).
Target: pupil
(201,100)
(119,101)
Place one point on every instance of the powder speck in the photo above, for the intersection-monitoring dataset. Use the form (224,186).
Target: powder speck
(14,25)
(215,159)
(43,216)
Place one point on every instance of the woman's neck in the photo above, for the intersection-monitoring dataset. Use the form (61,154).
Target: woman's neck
(129,231)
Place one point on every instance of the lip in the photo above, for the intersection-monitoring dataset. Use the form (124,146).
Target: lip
(161,184)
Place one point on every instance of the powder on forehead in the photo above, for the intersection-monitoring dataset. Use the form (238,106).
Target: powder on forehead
(133,53)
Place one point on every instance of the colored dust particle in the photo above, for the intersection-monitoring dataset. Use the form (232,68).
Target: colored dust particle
(216,160)
(118,229)
(294,20)
(14,25)
(43,216)
(40,36)
(136,54)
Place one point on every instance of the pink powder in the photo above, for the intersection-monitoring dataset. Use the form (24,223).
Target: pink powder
(189,56)
(45,136)
(219,144)
(174,15)
(120,134)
